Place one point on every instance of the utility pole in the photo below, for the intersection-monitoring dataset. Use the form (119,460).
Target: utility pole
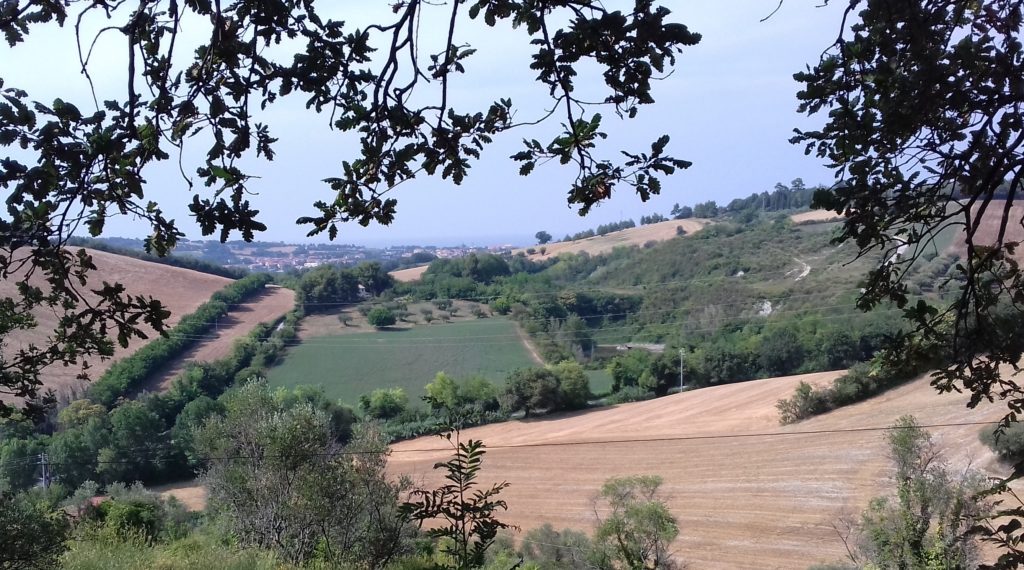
(682,352)
(46,470)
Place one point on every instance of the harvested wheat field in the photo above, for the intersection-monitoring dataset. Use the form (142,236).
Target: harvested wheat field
(192,496)
(987,232)
(268,306)
(815,216)
(748,493)
(637,236)
(409,274)
(181,290)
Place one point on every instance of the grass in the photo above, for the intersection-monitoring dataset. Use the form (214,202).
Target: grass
(600,381)
(350,365)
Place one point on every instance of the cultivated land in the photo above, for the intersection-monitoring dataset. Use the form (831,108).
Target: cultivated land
(181,290)
(596,245)
(272,304)
(815,216)
(742,502)
(987,232)
(349,365)
(410,274)
(637,236)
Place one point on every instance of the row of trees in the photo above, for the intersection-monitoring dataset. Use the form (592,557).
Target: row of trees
(795,196)
(600,230)
(558,387)
(129,374)
(147,439)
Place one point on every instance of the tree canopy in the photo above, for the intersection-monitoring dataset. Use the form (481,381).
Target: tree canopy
(925,134)
(81,162)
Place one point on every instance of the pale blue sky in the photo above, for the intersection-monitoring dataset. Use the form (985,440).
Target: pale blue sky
(730,108)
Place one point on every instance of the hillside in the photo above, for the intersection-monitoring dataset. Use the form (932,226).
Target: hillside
(742,501)
(815,216)
(988,230)
(637,236)
(409,274)
(265,307)
(181,290)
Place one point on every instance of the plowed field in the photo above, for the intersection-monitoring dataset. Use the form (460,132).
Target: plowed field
(181,290)
(748,493)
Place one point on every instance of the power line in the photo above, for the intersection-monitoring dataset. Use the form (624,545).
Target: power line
(596,442)
(593,289)
(781,298)
(343,341)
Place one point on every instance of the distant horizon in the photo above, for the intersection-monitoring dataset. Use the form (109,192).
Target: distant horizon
(729,105)
(437,242)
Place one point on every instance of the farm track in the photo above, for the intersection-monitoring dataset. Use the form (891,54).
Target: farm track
(529,346)
(742,501)
(180,290)
(271,304)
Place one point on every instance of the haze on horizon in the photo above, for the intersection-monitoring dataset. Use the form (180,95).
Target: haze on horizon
(729,107)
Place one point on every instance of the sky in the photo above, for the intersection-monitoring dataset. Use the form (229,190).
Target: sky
(729,108)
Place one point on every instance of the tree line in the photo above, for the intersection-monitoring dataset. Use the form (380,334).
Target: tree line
(128,374)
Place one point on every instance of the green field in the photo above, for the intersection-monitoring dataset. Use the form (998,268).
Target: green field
(348,366)
(600,381)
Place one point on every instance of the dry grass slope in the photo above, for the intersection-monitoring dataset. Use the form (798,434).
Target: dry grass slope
(410,274)
(181,290)
(637,236)
(815,216)
(742,502)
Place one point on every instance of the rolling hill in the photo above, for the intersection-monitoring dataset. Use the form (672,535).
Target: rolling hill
(637,236)
(181,290)
(747,492)
(596,245)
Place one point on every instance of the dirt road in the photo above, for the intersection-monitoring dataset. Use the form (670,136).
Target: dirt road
(180,290)
(270,305)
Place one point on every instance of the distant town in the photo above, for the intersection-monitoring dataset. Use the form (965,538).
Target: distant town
(280,257)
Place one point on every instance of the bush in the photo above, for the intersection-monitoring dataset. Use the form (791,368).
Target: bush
(1008,445)
(629,394)
(806,402)
(384,403)
(501,306)
(381,317)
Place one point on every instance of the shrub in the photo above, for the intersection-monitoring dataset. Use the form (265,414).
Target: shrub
(806,402)
(384,403)
(1008,445)
(381,317)
(501,306)
(629,394)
